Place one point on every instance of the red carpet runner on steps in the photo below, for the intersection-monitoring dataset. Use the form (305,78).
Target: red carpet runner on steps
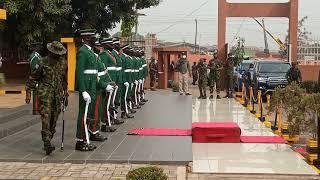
(213,132)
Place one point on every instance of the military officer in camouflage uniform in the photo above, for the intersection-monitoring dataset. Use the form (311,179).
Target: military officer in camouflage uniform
(202,83)
(229,76)
(294,74)
(215,68)
(32,85)
(153,73)
(194,73)
(86,84)
(51,74)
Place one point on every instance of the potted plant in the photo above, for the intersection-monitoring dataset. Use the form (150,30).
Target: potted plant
(147,173)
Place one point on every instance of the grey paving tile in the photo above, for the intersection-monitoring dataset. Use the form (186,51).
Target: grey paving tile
(127,147)
(27,144)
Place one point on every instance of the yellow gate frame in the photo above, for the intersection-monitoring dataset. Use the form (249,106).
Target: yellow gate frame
(71,46)
(3,14)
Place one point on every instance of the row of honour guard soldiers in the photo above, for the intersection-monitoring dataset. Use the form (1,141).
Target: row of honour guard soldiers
(108,75)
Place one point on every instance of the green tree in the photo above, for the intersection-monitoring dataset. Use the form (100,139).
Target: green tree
(238,52)
(35,20)
(105,14)
(45,20)
(303,36)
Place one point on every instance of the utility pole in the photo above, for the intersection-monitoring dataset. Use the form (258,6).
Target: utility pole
(266,50)
(196,36)
(199,44)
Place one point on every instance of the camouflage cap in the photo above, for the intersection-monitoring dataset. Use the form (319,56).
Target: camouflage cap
(56,48)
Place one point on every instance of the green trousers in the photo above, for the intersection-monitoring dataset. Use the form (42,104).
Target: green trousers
(91,112)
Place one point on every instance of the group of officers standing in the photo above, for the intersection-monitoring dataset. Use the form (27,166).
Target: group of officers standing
(108,75)
(211,75)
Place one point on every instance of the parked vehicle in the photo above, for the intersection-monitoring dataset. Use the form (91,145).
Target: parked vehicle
(239,72)
(269,74)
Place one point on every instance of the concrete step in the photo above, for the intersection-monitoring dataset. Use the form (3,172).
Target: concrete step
(18,124)
(14,113)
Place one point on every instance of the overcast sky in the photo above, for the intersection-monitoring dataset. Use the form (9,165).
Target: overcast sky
(174,20)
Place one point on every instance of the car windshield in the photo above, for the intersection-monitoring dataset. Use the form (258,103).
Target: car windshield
(245,66)
(274,68)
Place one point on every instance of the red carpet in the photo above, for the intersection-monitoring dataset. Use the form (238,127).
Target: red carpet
(263,139)
(160,132)
(216,132)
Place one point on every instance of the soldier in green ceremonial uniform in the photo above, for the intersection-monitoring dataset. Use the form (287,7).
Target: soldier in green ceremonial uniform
(202,82)
(125,83)
(145,74)
(86,84)
(129,73)
(51,74)
(103,85)
(141,76)
(31,84)
(122,84)
(109,62)
(136,79)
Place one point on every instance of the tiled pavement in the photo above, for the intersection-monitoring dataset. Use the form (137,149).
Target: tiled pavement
(26,146)
(67,171)
(241,157)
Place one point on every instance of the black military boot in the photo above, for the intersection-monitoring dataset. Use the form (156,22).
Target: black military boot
(204,94)
(136,107)
(211,96)
(218,97)
(118,122)
(132,111)
(201,94)
(97,137)
(141,103)
(105,128)
(124,115)
(48,148)
(83,146)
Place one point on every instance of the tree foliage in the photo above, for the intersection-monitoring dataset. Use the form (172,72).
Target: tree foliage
(35,20)
(303,35)
(238,52)
(301,108)
(46,20)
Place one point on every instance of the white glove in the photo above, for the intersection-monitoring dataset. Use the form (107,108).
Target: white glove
(132,84)
(136,82)
(126,84)
(109,88)
(86,97)
(140,81)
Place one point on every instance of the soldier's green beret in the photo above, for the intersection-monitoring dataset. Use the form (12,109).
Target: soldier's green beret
(56,48)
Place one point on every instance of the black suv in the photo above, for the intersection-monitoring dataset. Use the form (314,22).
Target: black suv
(269,74)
